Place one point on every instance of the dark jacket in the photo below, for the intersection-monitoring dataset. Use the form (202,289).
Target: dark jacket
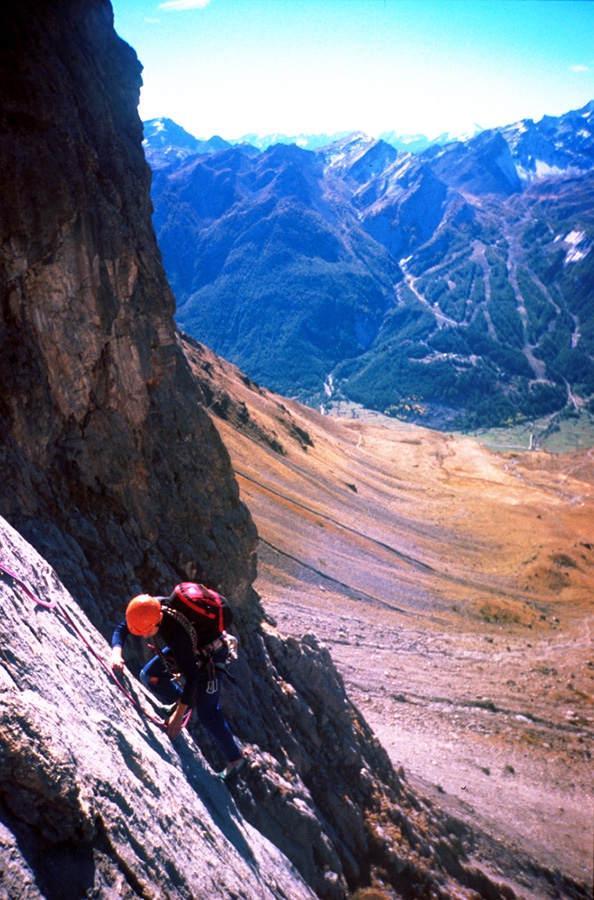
(177,639)
(174,636)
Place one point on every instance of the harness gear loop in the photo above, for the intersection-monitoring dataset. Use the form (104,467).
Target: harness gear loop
(204,655)
(232,645)
(213,682)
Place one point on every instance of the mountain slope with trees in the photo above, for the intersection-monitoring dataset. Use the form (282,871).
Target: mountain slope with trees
(274,270)
(453,286)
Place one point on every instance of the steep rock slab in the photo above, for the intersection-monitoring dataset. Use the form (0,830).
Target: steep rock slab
(94,798)
(102,433)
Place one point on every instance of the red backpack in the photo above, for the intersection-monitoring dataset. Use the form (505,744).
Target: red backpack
(210,610)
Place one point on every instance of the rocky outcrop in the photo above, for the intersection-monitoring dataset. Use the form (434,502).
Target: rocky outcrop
(110,465)
(483,166)
(94,799)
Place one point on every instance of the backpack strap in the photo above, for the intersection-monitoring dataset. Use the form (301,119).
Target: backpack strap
(204,655)
(186,625)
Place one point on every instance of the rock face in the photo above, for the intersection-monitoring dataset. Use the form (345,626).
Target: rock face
(94,799)
(110,465)
(113,472)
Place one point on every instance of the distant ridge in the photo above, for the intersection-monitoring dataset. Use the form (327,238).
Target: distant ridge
(165,142)
(164,133)
(305,141)
(450,286)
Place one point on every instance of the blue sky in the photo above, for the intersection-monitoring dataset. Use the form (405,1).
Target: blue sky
(231,67)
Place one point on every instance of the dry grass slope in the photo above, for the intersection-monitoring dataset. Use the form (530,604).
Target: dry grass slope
(454,588)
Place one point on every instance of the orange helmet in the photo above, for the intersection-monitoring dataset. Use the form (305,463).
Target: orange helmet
(143,614)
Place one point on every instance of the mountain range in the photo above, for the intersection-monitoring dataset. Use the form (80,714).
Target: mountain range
(164,133)
(451,286)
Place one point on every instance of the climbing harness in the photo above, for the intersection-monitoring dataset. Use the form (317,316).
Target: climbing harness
(55,604)
(205,652)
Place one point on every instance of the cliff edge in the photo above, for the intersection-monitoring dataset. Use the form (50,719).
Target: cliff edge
(111,467)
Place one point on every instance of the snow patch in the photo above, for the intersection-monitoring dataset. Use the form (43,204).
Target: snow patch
(575,237)
(543,169)
(574,255)
(524,174)
(518,129)
(575,252)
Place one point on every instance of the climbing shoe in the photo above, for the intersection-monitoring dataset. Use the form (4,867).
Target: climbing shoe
(231,772)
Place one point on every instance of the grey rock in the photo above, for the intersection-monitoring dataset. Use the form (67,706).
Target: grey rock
(88,782)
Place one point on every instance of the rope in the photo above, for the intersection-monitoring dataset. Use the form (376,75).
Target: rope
(52,603)
(55,604)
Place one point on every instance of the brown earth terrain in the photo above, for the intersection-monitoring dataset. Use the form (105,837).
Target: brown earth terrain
(453,587)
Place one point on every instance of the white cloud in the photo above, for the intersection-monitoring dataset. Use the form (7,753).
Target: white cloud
(184,4)
(580,68)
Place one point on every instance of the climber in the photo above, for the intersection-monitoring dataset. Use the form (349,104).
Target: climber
(189,633)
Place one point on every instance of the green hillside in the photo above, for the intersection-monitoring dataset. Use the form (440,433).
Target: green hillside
(453,288)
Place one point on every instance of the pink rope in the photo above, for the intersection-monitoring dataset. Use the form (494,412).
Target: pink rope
(54,604)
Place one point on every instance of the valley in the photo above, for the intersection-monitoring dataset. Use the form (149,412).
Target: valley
(450,288)
(453,587)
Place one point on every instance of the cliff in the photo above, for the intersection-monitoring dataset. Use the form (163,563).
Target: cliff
(110,465)
(96,801)
(113,472)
